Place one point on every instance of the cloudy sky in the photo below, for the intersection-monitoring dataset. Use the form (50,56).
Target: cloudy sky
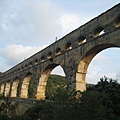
(27,26)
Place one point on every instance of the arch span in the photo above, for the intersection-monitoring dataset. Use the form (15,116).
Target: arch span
(14,87)
(2,89)
(25,84)
(84,63)
(7,89)
(43,81)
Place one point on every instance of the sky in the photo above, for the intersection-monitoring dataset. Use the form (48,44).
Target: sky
(27,26)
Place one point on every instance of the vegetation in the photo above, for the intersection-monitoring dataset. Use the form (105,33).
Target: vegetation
(54,83)
(98,102)
(30,88)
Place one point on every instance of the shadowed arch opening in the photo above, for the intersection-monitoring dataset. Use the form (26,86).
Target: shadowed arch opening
(82,39)
(43,81)
(58,51)
(2,89)
(25,84)
(36,61)
(14,87)
(84,63)
(99,31)
(42,58)
(49,55)
(68,46)
(30,64)
(7,89)
(118,22)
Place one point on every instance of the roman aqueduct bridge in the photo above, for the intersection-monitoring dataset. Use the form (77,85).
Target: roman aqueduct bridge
(73,53)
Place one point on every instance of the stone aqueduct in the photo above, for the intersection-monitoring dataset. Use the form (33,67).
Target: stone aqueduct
(73,53)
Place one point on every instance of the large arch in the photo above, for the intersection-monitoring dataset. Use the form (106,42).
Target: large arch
(14,87)
(43,81)
(84,63)
(25,84)
(7,89)
(105,63)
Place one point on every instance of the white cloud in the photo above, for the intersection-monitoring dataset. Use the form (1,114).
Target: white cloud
(14,54)
(70,22)
(26,22)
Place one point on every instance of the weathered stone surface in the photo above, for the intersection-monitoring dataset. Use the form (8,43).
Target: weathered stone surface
(73,53)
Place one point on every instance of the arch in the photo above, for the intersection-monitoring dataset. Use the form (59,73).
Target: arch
(49,55)
(118,22)
(18,69)
(43,81)
(25,66)
(2,89)
(22,68)
(25,84)
(7,89)
(42,58)
(14,87)
(99,31)
(84,63)
(58,51)
(105,63)
(68,46)
(81,40)
(30,64)
(36,61)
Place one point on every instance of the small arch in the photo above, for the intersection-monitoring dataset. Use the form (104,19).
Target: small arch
(18,69)
(22,68)
(118,22)
(25,84)
(99,31)
(15,71)
(49,55)
(14,87)
(36,61)
(82,39)
(68,46)
(42,59)
(58,51)
(26,66)
(7,89)
(30,64)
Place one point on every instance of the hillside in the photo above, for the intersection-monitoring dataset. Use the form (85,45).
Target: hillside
(55,82)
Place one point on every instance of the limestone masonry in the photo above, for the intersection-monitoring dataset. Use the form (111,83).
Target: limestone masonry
(73,53)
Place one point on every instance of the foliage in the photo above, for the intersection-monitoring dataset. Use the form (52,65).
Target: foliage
(30,88)
(5,107)
(110,90)
(54,83)
(99,102)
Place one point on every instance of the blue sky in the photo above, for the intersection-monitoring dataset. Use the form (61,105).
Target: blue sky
(27,26)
